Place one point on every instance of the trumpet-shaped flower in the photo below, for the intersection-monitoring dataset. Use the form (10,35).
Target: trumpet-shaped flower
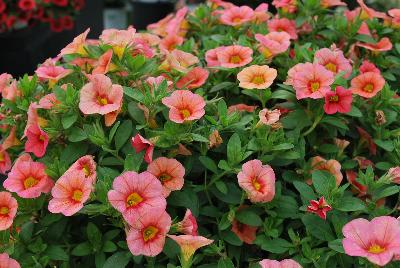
(236,16)
(8,210)
(140,144)
(37,141)
(256,77)
(7,262)
(367,84)
(332,166)
(273,43)
(189,244)
(188,225)
(234,56)
(283,25)
(195,78)
(333,60)
(5,161)
(86,165)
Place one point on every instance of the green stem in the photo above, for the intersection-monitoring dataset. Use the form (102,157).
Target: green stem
(314,125)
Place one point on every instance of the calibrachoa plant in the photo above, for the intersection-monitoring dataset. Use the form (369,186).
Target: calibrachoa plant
(59,14)
(221,137)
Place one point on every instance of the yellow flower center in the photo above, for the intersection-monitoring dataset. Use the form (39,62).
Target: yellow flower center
(256,184)
(77,195)
(42,137)
(42,122)
(258,79)
(4,210)
(149,233)
(86,170)
(364,15)
(164,177)
(1,156)
(376,249)
(314,86)
(369,88)
(30,182)
(102,101)
(185,113)
(266,52)
(133,199)
(237,20)
(334,98)
(119,51)
(235,59)
(81,50)
(331,67)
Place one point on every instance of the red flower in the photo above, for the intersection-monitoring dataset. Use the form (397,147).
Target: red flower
(319,207)
(140,144)
(366,137)
(61,3)
(67,22)
(27,5)
(3,6)
(56,25)
(79,4)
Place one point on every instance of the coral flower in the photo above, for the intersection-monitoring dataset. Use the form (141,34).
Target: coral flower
(11,140)
(338,101)
(234,56)
(359,188)
(261,13)
(155,82)
(258,181)
(368,66)
(28,178)
(189,244)
(367,84)
(292,72)
(287,6)
(147,234)
(366,137)
(369,13)
(273,43)
(269,117)
(100,96)
(283,25)
(69,193)
(5,80)
(179,60)
(195,78)
(333,60)
(118,39)
(134,194)
(319,207)
(7,262)
(312,81)
(332,166)
(104,64)
(184,106)
(377,240)
(382,45)
(11,91)
(8,210)
(52,73)
(37,141)
(169,172)
(241,107)
(395,14)
(150,39)
(211,56)
(170,42)
(5,161)
(86,165)
(394,174)
(236,16)
(246,233)
(140,144)
(332,3)
(286,263)
(256,77)
(77,45)
(188,225)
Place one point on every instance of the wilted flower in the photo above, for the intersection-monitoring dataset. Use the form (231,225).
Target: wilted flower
(366,137)
(394,174)
(269,117)
(380,117)
(319,207)
(332,166)
(214,139)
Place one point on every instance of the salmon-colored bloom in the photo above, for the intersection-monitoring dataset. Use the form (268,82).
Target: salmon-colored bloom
(184,106)
(369,13)
(118,39)
(333,60)
(236,16)
(258,181)
(8,210)
(368,66)
(338,101)
(394,174)
(100,96)
(366,137)
(312,81)
(28,178)
(358,188)
(241,107)
(155,82)
(7,262)
(332,166)
(77,45)
(178,24)
(367,84)
(286,263)
(283,25)
(377,240)
(341,143)
(189,244)
(395,20)
(147,233)
(246,233)
(382,45)
(269,117)
(37,141)
(182,150)
(319,207)
(69,193)
(364,29)
(273,43)
(188,225)
(11,92)
(332,3)
(5,80)
(140,144)
(52,73)
(214,139)
(195,78)
(211,56)
(292,72)
(104,65)
(287,6)
(86,165)
(170,42)
(134,194)
(261,13)
(5,161)
(256,77)
(169,172)
(150,39)
(179,60)
(234,56)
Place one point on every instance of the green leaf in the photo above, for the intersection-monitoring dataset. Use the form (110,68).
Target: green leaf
(69,119)
(234,149)
(317,227)
(82,249)
(323,182)
(76,134)
(224,223)
(72,152)
(26,232)
(133,162)
(119,259)
(109,246)
(386,145)
(249,217)
(221,186)
(208,163)
(305,190)
(94,235)
(276,245)
(349,203)
(123,133)
(231,238)
(336,245)
(134,93)
(225,263)
(197,137)
(113,130)
(221,86)
(355,112)
(56,253)
(384,192)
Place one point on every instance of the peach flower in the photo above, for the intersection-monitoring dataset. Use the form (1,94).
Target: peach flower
(5,80)
(118,39)
(234,56)
(332,166)
(273,43)
(189,244)
(211,56)
(5,161)
(77,46)
(52,73)
(283,25)
(236,16)
(287,6)
(195,78)
(170,42)
(369,13)
(7,262)
(261,13)
(256,77)
(382,45)
(8,210)
(103,65)
(368,66)
(179,60)
(188,225)
(333,60)
(367,84)
(269,117)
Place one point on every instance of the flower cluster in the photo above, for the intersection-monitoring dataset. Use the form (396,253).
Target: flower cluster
(264,139)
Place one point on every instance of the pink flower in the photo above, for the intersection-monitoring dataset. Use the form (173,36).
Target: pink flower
(377,240)
(150,39)
(394,174)
(236,16)
(77,45)
(170,42)
(273,43)
(147,233)
(8,210)
(155,82)
(332,166)
(338,101)
(188,225)
(5,80)
(286,263)
(382,45)
(118,38)
(257,77)
(241,107)
(184,106)
(140,144)
(11,92)
(292,72)
(234,56)
(333,60)
(283,25)
(69,193)
(27,178)
(369,13)
(100,96)
(212,56)
(52,73)
(367,85)
(179,60)
(332,3)
(312,81)
(269,117)
(85,165)
(7,262)
(319,207)
(37,141)
(178,24)
(258,181)
(195,78)
(134,194)
(395,14)
(169,172)
(288,6)
(5,161)
(104,63)
(261,13)
(189,244)
(368,66)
